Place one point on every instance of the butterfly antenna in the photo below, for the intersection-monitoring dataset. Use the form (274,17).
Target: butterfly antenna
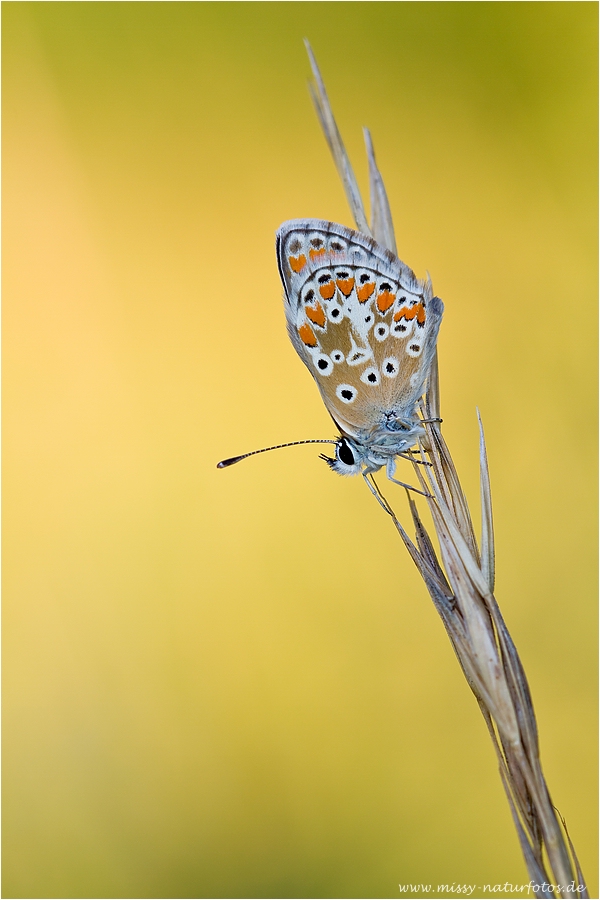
(235,459)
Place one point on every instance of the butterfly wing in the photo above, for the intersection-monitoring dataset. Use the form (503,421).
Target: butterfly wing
(360,320)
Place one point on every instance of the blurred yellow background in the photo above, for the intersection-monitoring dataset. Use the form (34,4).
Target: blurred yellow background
(233,683)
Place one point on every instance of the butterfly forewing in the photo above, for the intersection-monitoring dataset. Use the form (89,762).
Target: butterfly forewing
(360,320)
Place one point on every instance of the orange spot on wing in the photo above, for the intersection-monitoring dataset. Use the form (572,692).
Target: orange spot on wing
(316,314)
(365,291)
(385,300)
(314,253)
(297,263)
(345,285)
(307,335)
(327,290)
(417,311)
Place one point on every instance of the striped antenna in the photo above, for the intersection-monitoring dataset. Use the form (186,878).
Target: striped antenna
(235,459)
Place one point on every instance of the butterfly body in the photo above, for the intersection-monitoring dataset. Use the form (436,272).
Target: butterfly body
(366,328)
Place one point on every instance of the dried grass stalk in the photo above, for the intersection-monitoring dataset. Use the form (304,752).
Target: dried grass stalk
(460,580)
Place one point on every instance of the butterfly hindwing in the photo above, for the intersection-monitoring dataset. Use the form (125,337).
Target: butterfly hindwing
(359,319)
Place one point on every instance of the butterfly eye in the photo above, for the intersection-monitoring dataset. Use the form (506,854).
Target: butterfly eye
(344,452)
(348,458)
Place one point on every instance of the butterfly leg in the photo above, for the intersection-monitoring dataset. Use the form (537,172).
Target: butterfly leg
(371,484)
(420,462)
(391,468)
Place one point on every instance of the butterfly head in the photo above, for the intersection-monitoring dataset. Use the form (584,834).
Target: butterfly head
(349,457)
(376,449)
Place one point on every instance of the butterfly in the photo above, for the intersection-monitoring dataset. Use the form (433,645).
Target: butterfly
(366,328)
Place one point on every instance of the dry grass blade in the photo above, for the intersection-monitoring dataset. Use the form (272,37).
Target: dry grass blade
(432,399)
(460,580)
(573,854)
(381,214)
(336,145)
(488,565)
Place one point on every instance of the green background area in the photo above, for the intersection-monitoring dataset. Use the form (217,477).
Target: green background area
(232,683)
